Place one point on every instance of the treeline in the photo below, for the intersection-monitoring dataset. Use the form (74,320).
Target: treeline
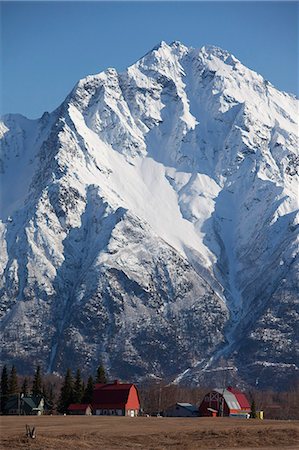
(155,396)
(278,405)
(58,394)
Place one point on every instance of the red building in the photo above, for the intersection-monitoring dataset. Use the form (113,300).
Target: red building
(116,399)
(82,409)
(227,402)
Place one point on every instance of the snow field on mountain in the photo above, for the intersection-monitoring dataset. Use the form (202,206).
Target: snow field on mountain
(141,186)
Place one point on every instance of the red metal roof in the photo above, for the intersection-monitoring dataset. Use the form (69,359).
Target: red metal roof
(242,400)
(112,395)
(99,385)
(78,406)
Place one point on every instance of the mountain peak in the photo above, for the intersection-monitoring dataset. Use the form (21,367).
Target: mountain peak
(152,223)
(165,50)
(207,50)
(211,51)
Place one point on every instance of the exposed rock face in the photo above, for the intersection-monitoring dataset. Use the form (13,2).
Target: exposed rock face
(150,222)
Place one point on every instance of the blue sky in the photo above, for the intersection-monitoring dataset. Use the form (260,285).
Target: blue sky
(48,46)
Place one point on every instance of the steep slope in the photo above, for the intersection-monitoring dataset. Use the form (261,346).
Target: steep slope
(152,223)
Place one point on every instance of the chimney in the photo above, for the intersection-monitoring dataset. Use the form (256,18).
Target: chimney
(116,382)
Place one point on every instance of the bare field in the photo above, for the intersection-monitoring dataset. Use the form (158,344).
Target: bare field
(149,433)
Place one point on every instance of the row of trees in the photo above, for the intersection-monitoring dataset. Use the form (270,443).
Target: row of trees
(72,390)
(10,385)
(155,396)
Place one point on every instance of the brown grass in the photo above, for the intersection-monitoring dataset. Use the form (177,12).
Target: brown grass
(152,433)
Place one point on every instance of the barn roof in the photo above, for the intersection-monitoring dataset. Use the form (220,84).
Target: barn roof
(242,399)
(112,394)
(230,398)
(235,399)
(188,406)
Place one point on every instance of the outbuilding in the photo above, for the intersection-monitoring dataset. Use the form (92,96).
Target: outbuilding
(80,409)
(29,405)
(116,399)
(181,410)
(227,402)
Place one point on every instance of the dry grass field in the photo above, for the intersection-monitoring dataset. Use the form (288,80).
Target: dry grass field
(149,433)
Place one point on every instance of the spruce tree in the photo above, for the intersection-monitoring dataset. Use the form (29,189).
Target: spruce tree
(45,393)
(37,382)
(78,388)
(51,396)
(4,389)
(13,387)
(48,394)
(253,410)
(66,393)
(88,393)
(25,387)
(101,375)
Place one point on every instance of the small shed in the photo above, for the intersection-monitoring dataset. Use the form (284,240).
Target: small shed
(227,402)
(181,410)
(80,409)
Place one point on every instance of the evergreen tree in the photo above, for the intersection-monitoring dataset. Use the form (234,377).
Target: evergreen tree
(4,388)
(25,387)
(45,391)
(253,410)
(78,388)
(101,375)
(48,394)
(88,393)
(66,393)
(37,382)
(13,387)
(51,396)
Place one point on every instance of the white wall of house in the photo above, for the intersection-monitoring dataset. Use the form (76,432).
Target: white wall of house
(109,412)
(132,412)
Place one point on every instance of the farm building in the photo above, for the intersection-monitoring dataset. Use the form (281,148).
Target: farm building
(83,409)
(227,402)
(181,410)
(116,399)
(30,405)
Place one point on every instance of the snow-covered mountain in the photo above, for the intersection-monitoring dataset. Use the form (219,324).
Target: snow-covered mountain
(150,222)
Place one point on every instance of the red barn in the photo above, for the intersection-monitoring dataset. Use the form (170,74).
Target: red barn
(116,399)
(227,402)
